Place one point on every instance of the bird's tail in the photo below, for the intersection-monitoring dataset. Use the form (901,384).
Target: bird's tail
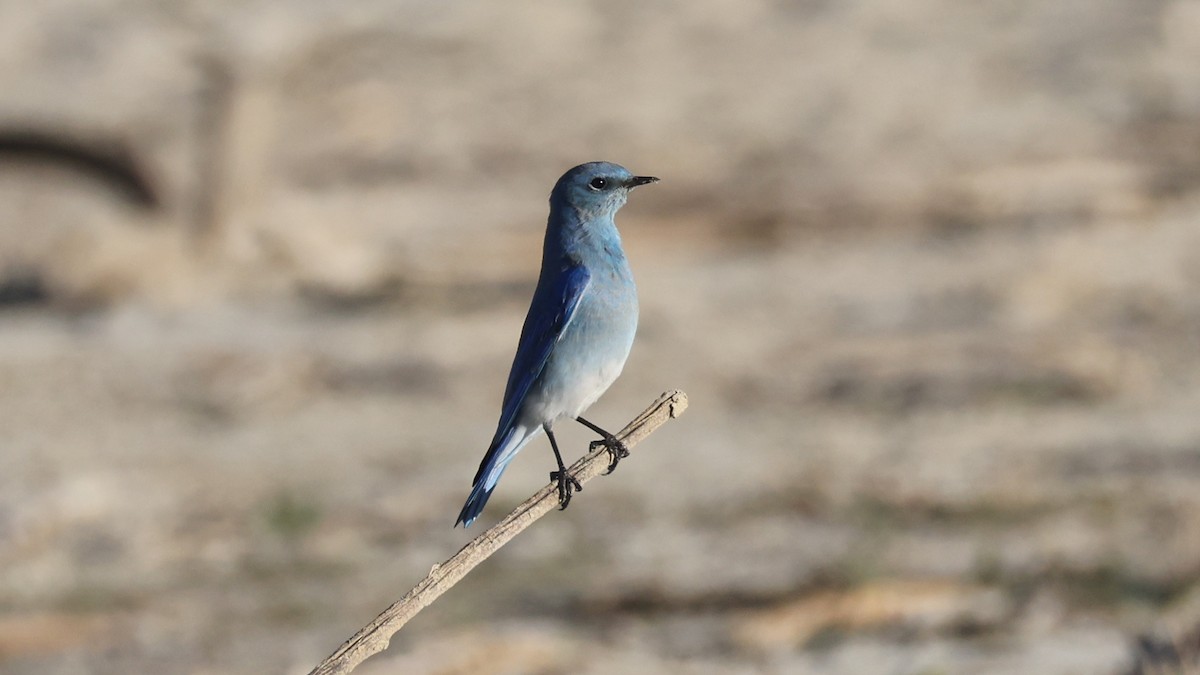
(503,449)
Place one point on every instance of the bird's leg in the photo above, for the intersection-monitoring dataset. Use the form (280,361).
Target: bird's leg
(616,449)
(566,482)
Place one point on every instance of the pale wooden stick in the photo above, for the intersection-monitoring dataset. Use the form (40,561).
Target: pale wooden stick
(375,636)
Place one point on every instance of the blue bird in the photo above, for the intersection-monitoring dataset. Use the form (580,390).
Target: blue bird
(577,333)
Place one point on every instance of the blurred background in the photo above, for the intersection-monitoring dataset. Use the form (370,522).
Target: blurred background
(928,270)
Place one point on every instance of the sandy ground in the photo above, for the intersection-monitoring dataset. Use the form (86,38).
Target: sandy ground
(928,272)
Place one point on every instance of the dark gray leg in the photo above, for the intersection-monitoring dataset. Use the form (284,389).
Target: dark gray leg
(566,482)
(616,449)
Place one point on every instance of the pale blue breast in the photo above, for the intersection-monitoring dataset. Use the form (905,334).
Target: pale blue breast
(592,350)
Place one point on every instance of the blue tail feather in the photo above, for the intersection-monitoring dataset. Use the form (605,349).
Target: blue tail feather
(502,451)
(474,506)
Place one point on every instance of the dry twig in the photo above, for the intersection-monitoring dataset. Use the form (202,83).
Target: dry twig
(375,636)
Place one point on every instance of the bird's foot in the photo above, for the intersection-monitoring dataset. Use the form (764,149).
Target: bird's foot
(616,451)
(567,485)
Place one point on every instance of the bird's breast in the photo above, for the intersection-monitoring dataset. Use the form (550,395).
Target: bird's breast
(591,352)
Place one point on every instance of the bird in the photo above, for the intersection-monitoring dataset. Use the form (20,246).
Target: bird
(578,331)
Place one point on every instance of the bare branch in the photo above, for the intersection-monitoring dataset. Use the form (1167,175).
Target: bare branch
(375,636)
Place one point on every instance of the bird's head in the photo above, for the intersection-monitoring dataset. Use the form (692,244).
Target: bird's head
(596,188)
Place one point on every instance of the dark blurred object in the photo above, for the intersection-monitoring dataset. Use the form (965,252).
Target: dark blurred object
(1162,655)
(111,162)
(22,288)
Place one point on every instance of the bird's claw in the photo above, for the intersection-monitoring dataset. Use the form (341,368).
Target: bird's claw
(616,451)
(567,485)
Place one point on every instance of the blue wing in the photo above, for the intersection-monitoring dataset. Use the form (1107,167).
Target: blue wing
(553,307)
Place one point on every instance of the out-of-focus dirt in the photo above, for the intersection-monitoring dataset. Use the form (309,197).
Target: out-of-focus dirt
(929,272)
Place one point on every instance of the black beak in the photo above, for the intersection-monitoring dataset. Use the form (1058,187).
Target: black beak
(640,180)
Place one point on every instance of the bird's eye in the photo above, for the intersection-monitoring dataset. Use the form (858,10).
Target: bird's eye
(598,184)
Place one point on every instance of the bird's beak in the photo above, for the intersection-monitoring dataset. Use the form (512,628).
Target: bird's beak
(640,180)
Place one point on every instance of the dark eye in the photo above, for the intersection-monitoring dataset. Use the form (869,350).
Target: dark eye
(598,183)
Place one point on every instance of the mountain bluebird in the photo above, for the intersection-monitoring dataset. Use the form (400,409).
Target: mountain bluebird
(578,331)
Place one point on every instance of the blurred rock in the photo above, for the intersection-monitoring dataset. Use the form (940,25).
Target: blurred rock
(923,607)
